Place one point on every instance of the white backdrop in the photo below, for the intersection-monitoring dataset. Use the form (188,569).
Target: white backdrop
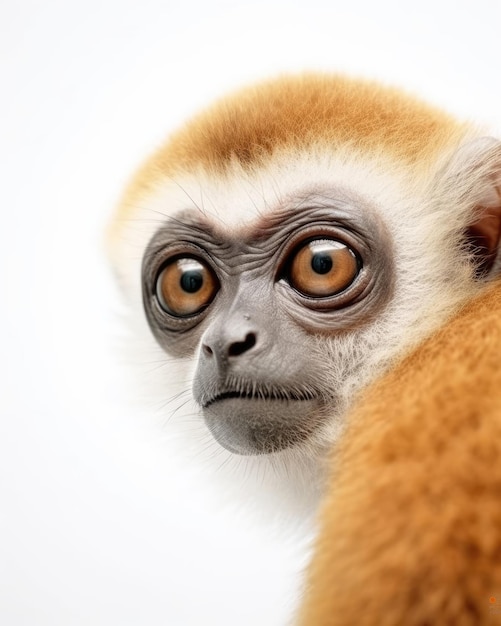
(98,523)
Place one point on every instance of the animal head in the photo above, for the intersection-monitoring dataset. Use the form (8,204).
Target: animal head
(293,242)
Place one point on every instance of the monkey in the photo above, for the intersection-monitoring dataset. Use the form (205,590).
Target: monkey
(292,243)
(410,526)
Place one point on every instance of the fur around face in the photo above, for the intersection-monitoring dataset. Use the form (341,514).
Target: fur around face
(410,530)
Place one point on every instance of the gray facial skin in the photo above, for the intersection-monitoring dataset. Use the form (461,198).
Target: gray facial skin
(262,381)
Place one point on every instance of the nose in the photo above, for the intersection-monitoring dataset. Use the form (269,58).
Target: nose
(231,347)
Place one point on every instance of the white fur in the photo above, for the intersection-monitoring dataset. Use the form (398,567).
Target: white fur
(424,210)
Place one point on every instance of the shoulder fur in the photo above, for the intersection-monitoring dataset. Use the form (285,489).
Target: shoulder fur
(411,527)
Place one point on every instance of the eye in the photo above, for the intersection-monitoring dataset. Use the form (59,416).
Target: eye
(322,268)
(186,286)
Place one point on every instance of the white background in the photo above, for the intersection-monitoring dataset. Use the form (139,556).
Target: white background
(99,525)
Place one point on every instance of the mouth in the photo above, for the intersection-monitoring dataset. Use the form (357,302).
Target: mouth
(280,395)
(261,420)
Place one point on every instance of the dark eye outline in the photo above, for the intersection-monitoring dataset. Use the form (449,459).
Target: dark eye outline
(320,237)
(164,309)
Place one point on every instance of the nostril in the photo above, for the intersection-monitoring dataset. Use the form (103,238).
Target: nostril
(207,350)
(239,347)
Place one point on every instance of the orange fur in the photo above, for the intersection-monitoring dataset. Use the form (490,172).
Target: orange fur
(411,527)
(293,113)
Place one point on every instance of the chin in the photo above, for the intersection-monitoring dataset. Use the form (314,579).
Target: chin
(257,426)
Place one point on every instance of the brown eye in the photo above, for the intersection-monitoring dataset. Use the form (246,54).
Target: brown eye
(186,286)
(322,268)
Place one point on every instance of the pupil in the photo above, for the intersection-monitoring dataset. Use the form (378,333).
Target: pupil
(191,281)
(321,263)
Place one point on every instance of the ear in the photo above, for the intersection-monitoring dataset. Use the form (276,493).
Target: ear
(477,173)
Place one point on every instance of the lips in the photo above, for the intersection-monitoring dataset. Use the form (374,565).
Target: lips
(255,417)
(266,395)
(261,423)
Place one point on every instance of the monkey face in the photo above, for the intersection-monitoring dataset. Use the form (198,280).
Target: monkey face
(251,304)
(296,240)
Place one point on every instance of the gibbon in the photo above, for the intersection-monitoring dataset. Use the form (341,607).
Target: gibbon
(285,249)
